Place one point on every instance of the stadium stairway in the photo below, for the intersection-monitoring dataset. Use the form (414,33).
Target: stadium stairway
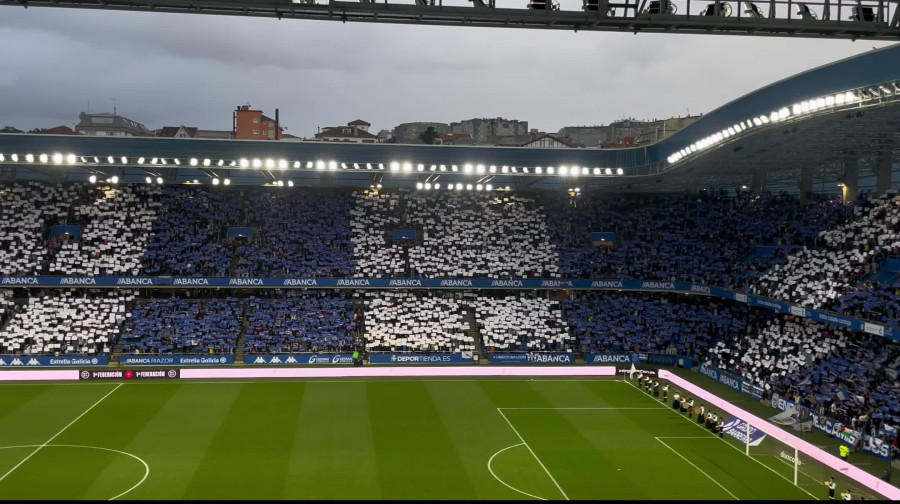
(476,337)
(116,353)
(239,345)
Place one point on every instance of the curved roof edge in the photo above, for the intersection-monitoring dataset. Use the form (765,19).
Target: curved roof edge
(871,67)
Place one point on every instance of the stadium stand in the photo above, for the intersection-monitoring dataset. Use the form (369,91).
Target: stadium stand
(406,321)
(872,301)
(460,234)
(65,322)
(522,322)
(374,216)
(189,235)
(116,222)
(301,321)
(479,235)
(181,325)
(836,372)
(298,233)
(658,323)
(817,277)
(27,210)
(703,237)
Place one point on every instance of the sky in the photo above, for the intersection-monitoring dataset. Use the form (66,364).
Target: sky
(171,69)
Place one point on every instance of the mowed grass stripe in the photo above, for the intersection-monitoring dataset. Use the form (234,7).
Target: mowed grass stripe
(249,455)
(599,454)
(416,457)
(73,469)
(174,439)
(740,474)
(35,419)
(333,456)
(468,415)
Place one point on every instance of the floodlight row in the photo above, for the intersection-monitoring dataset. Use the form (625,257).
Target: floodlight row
(796,110)
(320,165)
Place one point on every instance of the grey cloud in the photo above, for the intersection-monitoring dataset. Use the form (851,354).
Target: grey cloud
(166,69)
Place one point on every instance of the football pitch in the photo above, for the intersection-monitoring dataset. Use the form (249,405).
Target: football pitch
(370,439)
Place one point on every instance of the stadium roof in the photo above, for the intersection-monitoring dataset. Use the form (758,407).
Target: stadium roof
(818,119)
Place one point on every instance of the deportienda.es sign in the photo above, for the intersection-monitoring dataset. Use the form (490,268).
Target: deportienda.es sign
(443,358)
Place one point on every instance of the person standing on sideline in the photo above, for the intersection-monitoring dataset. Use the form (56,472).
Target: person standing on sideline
(845,452)
(691,407)
(846,494)
(701,414)
(830,484)
(720,427)
(665,391)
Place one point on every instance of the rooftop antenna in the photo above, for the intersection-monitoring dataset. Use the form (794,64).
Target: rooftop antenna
(114,106)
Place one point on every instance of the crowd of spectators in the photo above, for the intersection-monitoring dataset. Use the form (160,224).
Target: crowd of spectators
(846,375)
(522,322)
(182,325)
(302,321)
(478,235)
(458,234)
(405,321)
(189,235)
(652,322)
(300,233)
(64,322)
(27,213)
(703,237)
(817,276)
(115,225)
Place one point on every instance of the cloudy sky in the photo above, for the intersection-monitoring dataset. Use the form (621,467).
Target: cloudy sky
(171,69)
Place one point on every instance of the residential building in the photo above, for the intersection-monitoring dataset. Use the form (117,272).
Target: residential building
(410,132)
(456,139)
(109,125)
(216,134)
(658,130)
(249,124)
(59,130)
(548,142)
(177,132)
(498,130)
(384,136)
(583,136)
(354,132)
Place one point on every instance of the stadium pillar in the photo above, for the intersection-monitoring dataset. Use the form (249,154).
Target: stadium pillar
(806,183)
(883,168)
(756,185)
(851,180)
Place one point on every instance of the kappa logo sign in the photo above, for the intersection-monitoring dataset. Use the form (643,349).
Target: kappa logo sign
(298,359)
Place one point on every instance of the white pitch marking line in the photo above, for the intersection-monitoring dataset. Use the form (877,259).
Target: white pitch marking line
(223,381)
(686,437)
(139,459)
(579,408)
(60,432)
(697,468)
(534,454)
(505,483)
(713,436)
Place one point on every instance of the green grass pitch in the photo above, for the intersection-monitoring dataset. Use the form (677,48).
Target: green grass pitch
(367,439)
